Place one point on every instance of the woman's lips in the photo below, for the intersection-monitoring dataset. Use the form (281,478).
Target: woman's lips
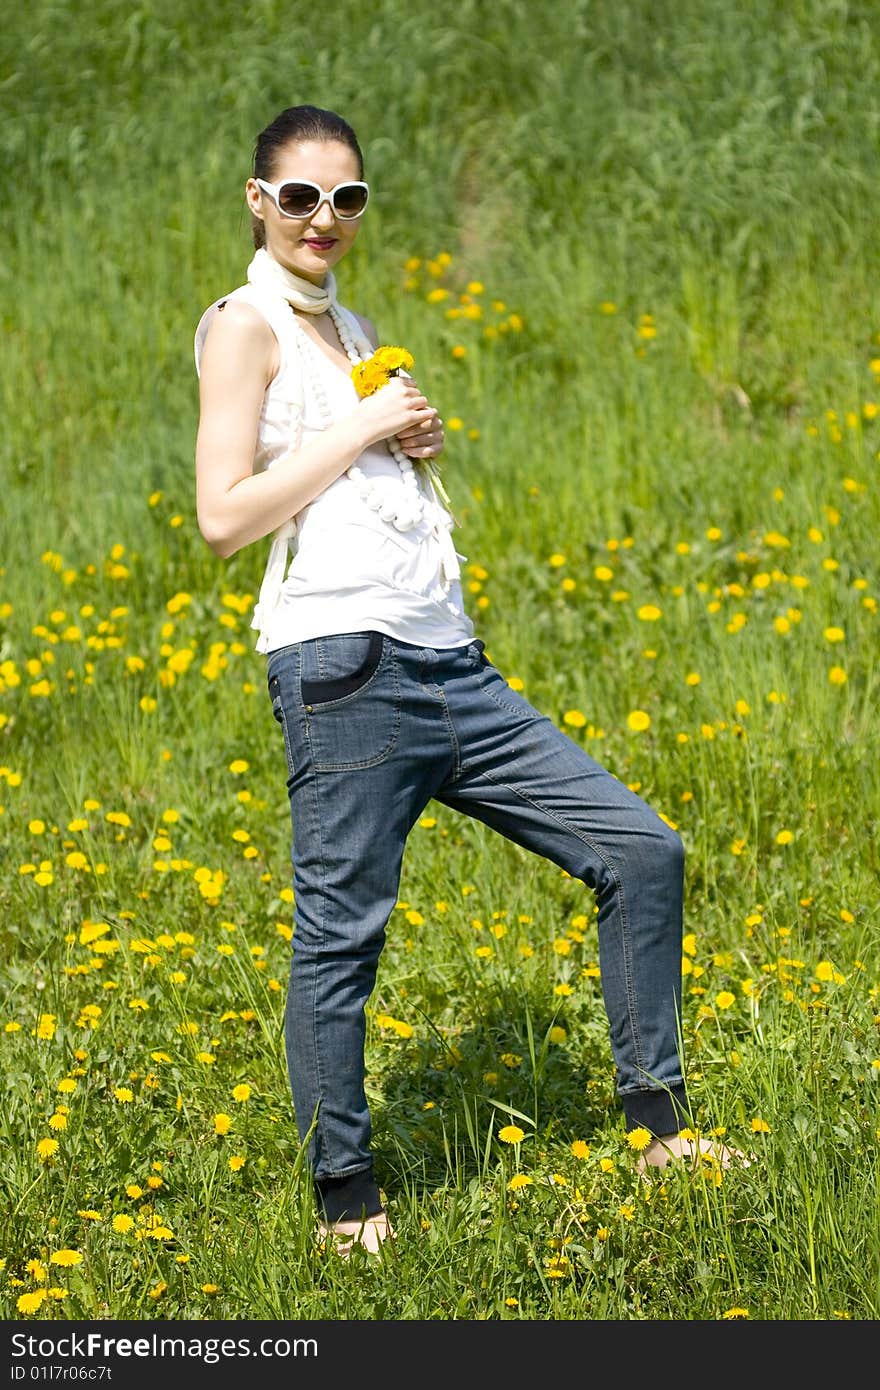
(320,243)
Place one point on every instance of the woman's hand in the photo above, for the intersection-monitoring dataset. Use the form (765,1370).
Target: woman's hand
(397,408)
(425,440)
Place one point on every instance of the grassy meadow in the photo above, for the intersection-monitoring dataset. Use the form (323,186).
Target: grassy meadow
(633,250)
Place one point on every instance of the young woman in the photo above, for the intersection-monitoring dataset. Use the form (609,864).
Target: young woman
(385,697)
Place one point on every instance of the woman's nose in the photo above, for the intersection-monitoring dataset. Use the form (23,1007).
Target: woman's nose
(323,219)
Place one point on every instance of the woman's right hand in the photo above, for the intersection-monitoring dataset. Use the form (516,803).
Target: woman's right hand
(396,407)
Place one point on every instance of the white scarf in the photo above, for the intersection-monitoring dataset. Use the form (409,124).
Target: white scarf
(265,273)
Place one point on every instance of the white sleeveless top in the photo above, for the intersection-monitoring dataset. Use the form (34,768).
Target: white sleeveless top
(350,570)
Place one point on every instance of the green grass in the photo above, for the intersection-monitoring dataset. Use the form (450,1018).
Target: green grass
(679,201)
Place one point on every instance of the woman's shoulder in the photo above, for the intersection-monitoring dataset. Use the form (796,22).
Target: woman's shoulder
(234,318)
(240,307)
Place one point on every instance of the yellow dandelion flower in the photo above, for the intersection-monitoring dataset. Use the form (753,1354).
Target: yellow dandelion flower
(580,1149)
(574,718)
(122,1223)
(89,1214)
(393,359)
(241,1093)
(639,1139)
(367,378)
(837,675)
(58,1121)
(649,613)
(30,1302)
(735,1313)
(236,1163)
(519,1181)
(638,720)
(66,1258)
(46,1149)
(760,1126)
(123,1094)
(725,999)
(222,1123)
(511,1134)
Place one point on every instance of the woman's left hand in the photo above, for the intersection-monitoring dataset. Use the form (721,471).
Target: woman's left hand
(425,441)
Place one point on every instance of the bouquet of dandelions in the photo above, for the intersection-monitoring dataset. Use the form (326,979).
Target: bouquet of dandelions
(371,375)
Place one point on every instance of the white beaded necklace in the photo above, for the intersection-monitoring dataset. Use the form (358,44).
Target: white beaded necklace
(403,507)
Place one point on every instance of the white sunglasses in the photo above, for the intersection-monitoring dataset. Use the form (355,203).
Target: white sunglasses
(301,198)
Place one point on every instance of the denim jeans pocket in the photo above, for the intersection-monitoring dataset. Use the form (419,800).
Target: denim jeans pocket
(493,684)
(350,694)
(337,666)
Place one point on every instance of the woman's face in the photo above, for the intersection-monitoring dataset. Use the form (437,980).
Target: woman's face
(308,246)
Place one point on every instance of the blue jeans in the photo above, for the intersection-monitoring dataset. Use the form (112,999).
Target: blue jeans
(373,729)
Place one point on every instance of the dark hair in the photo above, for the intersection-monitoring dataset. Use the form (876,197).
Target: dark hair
(296,124)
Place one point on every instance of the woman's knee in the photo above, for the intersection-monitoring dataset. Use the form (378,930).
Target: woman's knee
(651,851)
(662,854)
